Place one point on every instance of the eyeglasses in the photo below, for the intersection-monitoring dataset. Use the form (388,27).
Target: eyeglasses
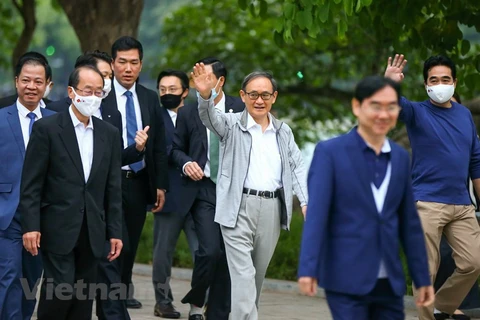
(169,90)
(392,109)
(89,92)
(254,95)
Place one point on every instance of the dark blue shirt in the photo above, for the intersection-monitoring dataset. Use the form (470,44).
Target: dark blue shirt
(376,164)
(445,151)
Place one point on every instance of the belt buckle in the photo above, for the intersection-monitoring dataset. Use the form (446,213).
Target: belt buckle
(130,174)
(261,194)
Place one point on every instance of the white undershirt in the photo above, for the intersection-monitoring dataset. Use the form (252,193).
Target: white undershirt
(265,167)
(122,107)
(85,142)
(379,195)
(25,120)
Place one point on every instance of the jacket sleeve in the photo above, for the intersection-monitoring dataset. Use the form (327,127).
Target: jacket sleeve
(215,120)
(113,193)
(411,234)
(181,140)
(159,147)
(298,169)
(314,237)
(34,174)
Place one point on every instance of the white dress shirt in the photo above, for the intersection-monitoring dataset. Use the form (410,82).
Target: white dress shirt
(25,120)
(265,168)
(173,116)
(122,107)
(85,142)
(379,195)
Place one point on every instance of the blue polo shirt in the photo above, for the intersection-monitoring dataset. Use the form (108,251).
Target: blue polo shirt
(445,151)
(376,164)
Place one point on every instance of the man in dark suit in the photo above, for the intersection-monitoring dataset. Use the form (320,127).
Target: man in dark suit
(9,100)
(360,211)
(194,151)
(70,198)
(173,89)
(15,124)
(144,182)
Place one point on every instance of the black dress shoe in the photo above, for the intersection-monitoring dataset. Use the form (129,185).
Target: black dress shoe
(441,316)
(195,317)
(460,317)
(133,304)
(166,311)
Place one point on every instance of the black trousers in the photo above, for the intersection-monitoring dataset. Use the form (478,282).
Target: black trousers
(134,191)
(210,269)
(65,292)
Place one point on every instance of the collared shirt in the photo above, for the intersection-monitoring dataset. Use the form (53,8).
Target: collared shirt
(85,142)
(173,116)
(25,120)
(379,171)
(42,103)
(122,107)
(265,167)
(221,107)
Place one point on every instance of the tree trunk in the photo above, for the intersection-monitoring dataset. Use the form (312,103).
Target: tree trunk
(27,11)
(99,23)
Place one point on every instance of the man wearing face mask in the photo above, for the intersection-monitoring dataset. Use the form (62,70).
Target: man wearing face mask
(70,198)
(445,152)
(173,88)
(9,100)
(196,153)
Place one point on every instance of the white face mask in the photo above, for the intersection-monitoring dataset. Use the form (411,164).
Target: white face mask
(47,90)
(440,93)
(87,106)
(108,85)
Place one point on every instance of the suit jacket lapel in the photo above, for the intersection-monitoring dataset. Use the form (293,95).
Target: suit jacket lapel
(360,168)
(394,175)
(70,142)
(202,130)
(143,101)
(98,147)
(14,121)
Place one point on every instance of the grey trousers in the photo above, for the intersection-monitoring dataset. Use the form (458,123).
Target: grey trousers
(249,247)
(166,230)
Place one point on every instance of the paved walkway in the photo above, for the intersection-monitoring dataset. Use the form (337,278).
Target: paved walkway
(285,305)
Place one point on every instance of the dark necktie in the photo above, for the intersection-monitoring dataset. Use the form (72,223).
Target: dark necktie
(132,127)
(214,152)
(32,117)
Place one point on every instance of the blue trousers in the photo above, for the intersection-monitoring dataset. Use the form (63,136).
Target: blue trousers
(380,304)
(19,271)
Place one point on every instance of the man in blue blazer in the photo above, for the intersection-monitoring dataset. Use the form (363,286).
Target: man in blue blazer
(15,125)
(360,210)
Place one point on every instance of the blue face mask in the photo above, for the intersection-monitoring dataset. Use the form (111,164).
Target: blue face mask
(214,92)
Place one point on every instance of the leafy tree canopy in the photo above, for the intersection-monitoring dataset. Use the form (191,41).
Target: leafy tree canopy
(318,69)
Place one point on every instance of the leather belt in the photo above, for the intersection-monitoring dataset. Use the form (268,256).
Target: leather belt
(130,174)
(263,194)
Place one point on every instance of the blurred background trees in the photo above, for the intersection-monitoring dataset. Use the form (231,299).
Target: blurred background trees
(316,49)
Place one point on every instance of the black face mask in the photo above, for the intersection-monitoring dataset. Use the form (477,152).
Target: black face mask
(171,101)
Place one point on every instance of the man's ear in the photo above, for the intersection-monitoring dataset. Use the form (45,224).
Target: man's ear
(355,107)
(185,93)
(242,95)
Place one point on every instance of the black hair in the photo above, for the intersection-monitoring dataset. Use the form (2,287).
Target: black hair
(126,43)
(218,67)
(259,74)
(175,73)
(438,61)
(74,78)
(368,86)
(32,60)
(92,58)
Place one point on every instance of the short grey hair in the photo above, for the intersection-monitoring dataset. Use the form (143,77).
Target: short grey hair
(259,74)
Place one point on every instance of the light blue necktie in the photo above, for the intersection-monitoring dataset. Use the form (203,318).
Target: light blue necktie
(132,127)
(32,117)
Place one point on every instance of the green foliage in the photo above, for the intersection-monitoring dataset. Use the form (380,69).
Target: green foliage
(9,32)
(331,53)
